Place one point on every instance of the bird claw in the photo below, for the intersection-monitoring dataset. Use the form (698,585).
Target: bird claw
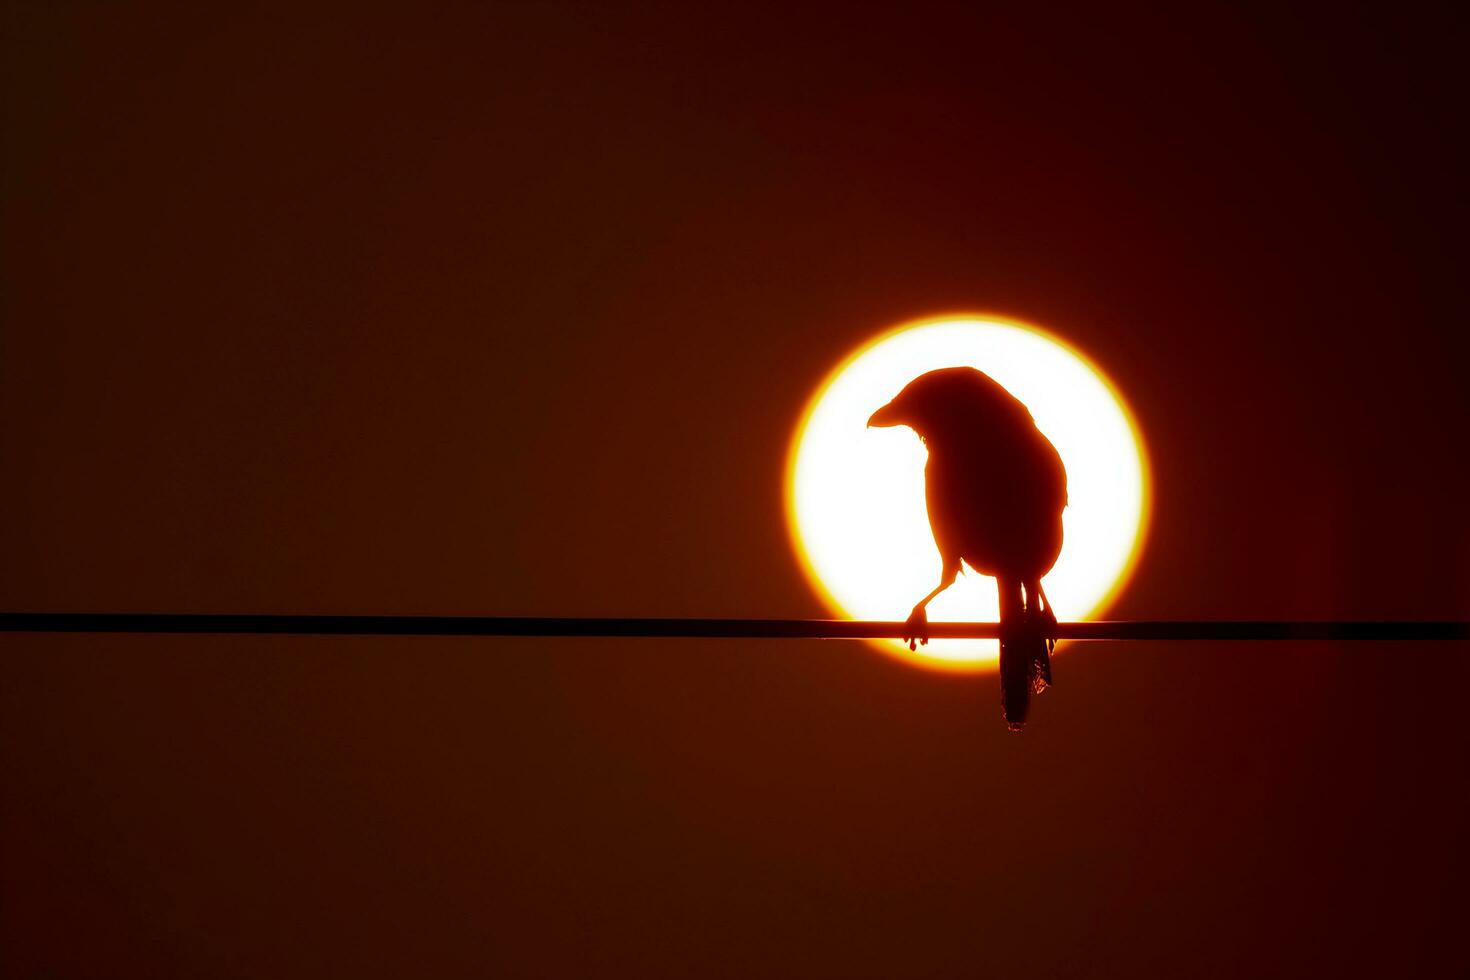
(917,628)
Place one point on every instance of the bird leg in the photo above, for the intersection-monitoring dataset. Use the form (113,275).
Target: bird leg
(1040,613)
(1041,620)
(917,625)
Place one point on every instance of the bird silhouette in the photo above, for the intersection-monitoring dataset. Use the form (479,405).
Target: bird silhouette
(995,488)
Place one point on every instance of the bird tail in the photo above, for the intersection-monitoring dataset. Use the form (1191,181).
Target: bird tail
(1025,648)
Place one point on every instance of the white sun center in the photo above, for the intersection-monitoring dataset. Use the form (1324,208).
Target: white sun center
(855,496)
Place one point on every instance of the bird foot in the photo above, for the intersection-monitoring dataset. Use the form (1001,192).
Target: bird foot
(1043,621)
(917,628)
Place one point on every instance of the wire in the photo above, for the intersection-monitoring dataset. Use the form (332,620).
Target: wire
(1177,630)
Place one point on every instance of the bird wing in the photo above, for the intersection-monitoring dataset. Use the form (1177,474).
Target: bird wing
(996,503)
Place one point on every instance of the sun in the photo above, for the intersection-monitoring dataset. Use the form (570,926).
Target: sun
(855,496)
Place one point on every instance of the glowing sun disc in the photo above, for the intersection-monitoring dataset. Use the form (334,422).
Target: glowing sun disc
(855,496)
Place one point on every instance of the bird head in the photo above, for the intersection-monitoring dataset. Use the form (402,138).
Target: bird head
(956,400)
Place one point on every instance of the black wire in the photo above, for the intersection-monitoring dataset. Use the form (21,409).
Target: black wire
(732,628)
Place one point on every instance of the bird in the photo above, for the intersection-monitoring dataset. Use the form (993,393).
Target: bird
(995,487)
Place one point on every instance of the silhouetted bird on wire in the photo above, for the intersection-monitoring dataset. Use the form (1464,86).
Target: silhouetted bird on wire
(995,488)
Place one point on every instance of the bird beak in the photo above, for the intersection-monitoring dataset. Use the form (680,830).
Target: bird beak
(885,417)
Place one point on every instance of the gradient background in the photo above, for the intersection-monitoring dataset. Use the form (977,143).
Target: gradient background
(512,311)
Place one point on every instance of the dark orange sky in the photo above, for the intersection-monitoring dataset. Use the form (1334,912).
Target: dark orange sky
(512,311)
